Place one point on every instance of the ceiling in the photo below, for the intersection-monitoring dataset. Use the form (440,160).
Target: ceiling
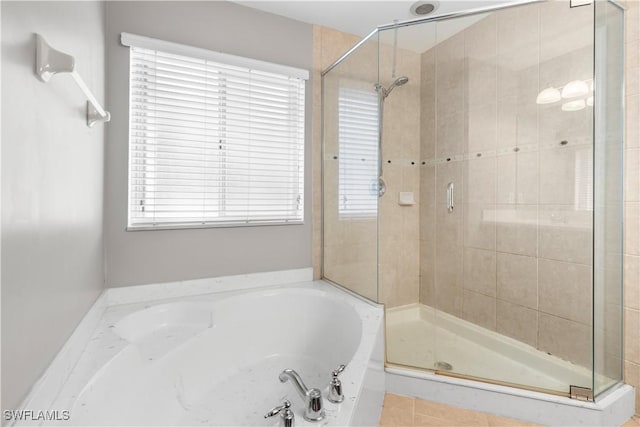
(360,17)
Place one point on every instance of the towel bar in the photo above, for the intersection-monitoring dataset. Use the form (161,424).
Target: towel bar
(50,61)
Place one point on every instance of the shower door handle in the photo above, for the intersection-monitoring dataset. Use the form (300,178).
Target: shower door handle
(450,197)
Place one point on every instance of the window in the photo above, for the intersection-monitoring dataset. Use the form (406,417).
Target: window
(214,139)
(358,153)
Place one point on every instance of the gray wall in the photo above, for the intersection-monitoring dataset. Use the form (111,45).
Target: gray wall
(158,256)
(52,188)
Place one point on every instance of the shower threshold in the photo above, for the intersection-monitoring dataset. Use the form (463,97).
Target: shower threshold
(490,372)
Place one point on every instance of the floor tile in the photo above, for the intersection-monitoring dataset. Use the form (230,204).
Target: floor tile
(420,420)
(406,411)
(632,422)
(458,416)
(495,421)
(397,411)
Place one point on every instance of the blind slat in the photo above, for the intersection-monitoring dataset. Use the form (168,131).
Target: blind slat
(358,153)
(212,143)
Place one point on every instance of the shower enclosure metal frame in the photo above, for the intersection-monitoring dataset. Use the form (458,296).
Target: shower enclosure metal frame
(424,20)
(447,16)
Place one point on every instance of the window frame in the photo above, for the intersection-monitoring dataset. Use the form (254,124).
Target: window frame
(136,41)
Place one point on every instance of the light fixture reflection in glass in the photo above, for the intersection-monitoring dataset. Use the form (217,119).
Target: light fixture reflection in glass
(573,105)
(590,101)
(548,96)
(575,88)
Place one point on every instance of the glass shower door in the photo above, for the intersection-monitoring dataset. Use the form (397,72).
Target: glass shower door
(496,248)
(608,195)
(505,197)
(350,172)
(514,257)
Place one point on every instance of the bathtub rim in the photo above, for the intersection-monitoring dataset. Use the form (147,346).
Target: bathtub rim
(47,389)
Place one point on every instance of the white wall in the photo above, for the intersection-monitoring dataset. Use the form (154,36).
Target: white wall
(53,170)
(52,187)
(158,256)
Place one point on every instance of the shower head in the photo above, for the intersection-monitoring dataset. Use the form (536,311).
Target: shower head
(398,82)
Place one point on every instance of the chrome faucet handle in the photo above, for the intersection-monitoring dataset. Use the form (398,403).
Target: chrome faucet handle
(336,394)
(275,411)
(286,415)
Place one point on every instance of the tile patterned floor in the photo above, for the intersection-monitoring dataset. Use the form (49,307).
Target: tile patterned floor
(633,422)
(410,412)
(407,411)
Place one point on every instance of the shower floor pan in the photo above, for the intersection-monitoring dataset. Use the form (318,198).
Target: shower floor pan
(418,336)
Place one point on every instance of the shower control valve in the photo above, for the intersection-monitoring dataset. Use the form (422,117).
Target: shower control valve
(336,394)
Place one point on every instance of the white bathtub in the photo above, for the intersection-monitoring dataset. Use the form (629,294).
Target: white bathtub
(214,359)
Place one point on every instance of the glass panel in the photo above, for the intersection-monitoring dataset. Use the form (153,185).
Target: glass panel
(350,172)
(409,336)
(609,131)
(497,246)
(505,185)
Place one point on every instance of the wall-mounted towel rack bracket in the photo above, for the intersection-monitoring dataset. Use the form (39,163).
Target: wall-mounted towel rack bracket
(94,116)
(50,61)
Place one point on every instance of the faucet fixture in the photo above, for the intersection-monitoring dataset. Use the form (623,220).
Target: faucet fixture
(286,415)
(314,410)
(336,394)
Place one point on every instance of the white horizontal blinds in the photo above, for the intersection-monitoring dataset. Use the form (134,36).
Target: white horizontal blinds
(212,143)
(358,152)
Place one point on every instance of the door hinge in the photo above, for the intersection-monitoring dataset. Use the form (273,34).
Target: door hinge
(581,393)
(578,3)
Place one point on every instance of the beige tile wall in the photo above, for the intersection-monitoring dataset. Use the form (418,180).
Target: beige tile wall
(632,200)
(518,237)
(398,238)
(351,246)
(514,256)
(328,46)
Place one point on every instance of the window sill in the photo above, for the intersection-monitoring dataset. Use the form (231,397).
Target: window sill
(208,225)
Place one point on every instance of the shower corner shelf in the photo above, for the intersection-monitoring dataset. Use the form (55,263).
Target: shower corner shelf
(50,61)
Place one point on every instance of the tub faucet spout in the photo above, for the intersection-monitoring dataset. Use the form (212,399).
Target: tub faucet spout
(312,397)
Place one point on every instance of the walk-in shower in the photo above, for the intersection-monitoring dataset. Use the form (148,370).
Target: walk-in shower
(520,284)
